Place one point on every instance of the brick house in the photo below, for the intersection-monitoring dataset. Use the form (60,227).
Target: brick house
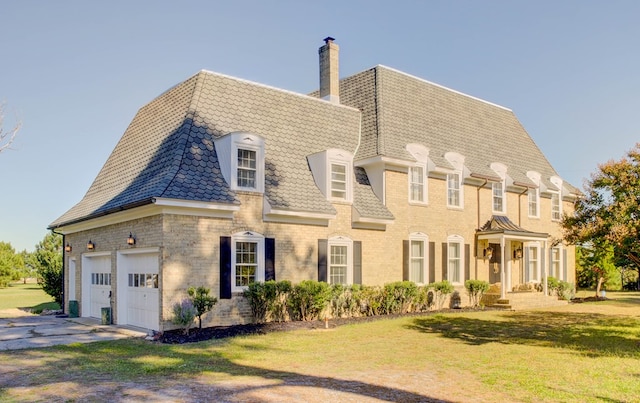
(375,178)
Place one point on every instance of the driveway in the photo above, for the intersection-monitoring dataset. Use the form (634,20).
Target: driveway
(32,331)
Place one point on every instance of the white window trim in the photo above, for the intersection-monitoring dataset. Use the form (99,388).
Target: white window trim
(425,197)
(503,196)
(537,201)
(556,194)
(227,150)
(247,236)
(320,164)
(420,237)
(347,182)
(538,256)
(341,241)
(457,239)
(460,204)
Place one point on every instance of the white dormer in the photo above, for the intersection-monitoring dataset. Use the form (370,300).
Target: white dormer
(241,157)
(418,174)
(333,173)
(533,194)
(455,188)
(499,189)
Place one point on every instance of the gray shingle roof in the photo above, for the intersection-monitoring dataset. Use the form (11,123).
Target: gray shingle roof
(168,150)
(399,109)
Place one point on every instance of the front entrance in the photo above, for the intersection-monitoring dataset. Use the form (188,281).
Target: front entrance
(494,263)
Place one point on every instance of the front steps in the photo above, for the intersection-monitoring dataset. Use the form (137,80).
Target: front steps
(521,300)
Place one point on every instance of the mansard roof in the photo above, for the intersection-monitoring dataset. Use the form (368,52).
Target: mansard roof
(168,149)
(399,109)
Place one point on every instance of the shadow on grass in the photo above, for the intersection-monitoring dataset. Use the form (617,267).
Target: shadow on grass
(137,369)
(595,335)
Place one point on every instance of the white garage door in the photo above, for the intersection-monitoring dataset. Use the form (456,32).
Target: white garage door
(97,272)
(141,302)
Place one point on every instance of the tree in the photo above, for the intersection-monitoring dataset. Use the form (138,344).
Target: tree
(608,216)
(9,264)
(202,301)
(47,259)
(7,135)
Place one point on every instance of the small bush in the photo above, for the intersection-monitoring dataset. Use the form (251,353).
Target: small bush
(441,289)
(202,301)
(278,307)
(423,300)
(476,289)
(345,301)
(552,285)
(184,313)
(309,299)
(370,299)
(398,297)
(566,290)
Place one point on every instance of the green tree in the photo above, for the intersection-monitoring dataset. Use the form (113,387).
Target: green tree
(608,215)
(10,264)
(202,301)
(47,259)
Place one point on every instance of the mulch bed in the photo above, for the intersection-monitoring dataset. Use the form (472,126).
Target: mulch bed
(220,332)
(588,299)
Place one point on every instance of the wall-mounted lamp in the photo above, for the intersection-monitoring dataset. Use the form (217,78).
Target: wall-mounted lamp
(517,254)
(131,240)
(488,253)
(90,245)
(67,248)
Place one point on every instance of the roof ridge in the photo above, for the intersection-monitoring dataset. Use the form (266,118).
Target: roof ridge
(382,66)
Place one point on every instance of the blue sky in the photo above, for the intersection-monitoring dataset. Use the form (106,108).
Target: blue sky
(76,72)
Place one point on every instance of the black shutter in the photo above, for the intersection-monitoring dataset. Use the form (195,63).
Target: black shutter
(269,259)
(406,258)
(445,261)
(322,260)
(432,262)
(357,262)
(225,267)
(467,261)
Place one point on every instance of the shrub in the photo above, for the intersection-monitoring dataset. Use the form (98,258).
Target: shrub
(202,301)
(184,313)
(553,284)
(370,299)
(309,299)
(423,300)
(441,290)
(398,297)
(278,308)
(566,290)
(268,300)
(476,289)
(345,301)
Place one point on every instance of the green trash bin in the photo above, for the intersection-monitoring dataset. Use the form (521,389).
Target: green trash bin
(74,310)
(106,316)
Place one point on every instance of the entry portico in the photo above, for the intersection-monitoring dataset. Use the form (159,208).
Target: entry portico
(511,240)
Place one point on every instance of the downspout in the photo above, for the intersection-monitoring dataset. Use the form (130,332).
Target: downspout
(63,264)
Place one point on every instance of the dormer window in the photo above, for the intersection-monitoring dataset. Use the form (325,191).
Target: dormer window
(339,181)
(499,189)
(246,169)
(418,174)
(533,194)
(241,157)
(333,173)
(455,189)
(556,205)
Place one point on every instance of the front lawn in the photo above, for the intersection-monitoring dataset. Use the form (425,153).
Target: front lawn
(577,353)
(27,296)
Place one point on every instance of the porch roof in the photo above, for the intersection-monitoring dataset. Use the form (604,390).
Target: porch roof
(502,225)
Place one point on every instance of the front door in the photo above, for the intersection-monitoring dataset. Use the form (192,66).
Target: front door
(494,263)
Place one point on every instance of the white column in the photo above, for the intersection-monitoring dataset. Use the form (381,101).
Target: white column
(543,267)
(503,285)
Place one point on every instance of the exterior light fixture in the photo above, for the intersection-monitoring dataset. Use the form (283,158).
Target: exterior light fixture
(90,245)
(517,253)
(67,248)
(131,240)
(488,253)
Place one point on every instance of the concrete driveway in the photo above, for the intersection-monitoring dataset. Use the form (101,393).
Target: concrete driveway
(33,331)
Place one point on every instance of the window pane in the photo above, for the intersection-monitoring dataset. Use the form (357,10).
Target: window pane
(454,262)
(246,168)
(555,206)
(417,183)
(533,202)
(338,181)
(417,262)
(497,196)
(338,264)
(246,263)
(453,189)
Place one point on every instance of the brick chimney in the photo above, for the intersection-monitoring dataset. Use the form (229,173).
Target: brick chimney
(329,78)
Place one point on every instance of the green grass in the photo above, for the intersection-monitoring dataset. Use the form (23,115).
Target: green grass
(25,296)
(579,353)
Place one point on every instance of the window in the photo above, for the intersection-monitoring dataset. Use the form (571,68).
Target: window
(246,169)
(247,265)
(416,271)
(338,181)
(533,196)
(101,278)
(455,259)
(454,190)
(338,264)
(417,184)
(556,268)
(533,266)
(241,157)
(147,280)
(556,210)
(498,197)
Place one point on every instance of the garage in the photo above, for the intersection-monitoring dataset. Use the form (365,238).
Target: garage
(138,285)
(96,278)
